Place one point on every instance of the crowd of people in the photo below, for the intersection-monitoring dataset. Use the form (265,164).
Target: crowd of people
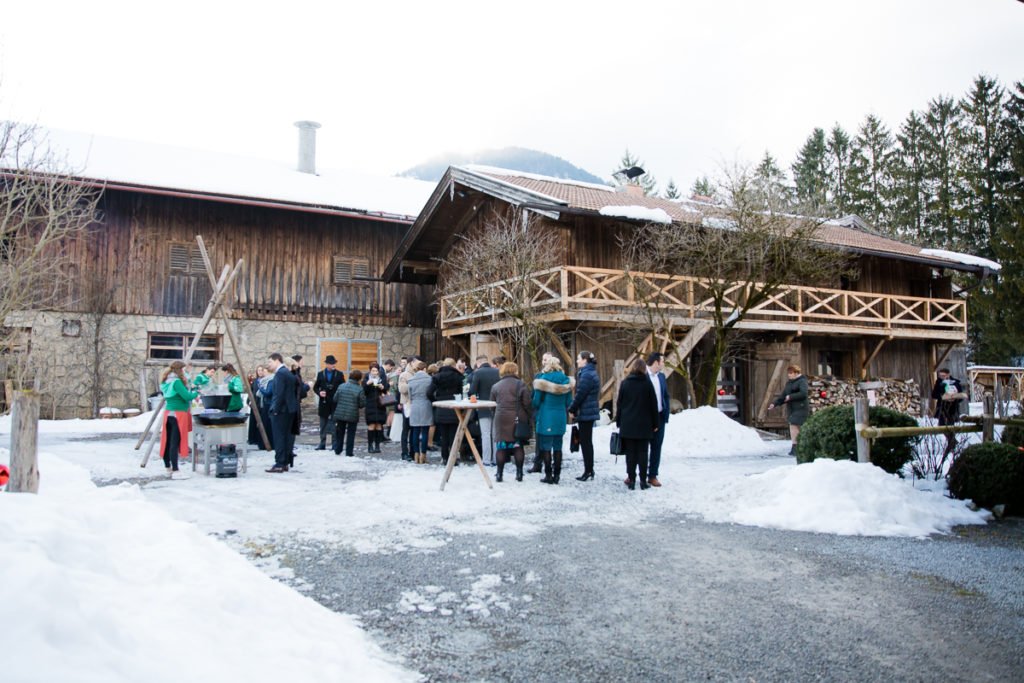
(396,401)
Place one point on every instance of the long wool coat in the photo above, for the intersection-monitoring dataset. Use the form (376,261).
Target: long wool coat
(638,408)
(514,402)
(375,412)
(796,405)
(446,383)
(418,409)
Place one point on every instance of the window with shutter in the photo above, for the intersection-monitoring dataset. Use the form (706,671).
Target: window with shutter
(185,259)
(348,270)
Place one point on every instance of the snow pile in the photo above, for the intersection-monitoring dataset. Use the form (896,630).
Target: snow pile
(707,432)
(128,425)
(843,497)
(639,213)
(966,259)
(101,585)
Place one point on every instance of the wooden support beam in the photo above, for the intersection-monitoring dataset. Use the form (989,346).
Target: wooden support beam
(941,358)
(867,361)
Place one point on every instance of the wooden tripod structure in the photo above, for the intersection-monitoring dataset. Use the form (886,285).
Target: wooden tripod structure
(217,306)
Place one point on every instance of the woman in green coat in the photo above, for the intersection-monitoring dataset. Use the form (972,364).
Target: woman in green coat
(177,418)
(794,396)
(552,395)
(235,388)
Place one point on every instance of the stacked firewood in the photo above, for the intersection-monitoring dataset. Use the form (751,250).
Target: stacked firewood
(896,394)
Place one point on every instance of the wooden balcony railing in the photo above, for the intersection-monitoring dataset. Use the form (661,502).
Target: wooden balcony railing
(610,296)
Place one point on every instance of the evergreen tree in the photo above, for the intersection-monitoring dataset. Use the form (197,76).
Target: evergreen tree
(811,174)
(870,180)
(646,181)
(703,187)
(839,163)
(982,165)
(671,191)
(996,315)
(909,192)
(942,123)
(769,183)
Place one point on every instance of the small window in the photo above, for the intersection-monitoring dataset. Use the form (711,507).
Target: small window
(71,328)
(348,270)
(172,346)
(830,364)
(185,259)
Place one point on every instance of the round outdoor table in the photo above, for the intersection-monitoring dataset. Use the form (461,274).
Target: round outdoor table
(463,411)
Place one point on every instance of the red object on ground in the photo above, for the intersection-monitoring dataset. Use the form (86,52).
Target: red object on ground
(5,475)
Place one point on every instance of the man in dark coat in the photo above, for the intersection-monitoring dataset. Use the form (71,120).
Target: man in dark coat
(947,410)
(484,378)
(327,382)
(284,404)
(660,386)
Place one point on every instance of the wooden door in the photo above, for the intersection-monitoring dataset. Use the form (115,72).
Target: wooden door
(363,353)
(767,378)
(337,348)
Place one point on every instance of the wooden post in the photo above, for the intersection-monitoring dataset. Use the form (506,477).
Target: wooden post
(860,421)
(987,416)
(618,369)
(143,398)
(24,442)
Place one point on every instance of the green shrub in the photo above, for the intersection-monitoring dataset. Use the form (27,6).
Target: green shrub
(828,433)
(990,474)
(1014,435)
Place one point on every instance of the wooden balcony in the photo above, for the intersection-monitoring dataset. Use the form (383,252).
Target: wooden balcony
(608,297)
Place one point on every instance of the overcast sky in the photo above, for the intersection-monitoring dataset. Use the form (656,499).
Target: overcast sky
(685,86)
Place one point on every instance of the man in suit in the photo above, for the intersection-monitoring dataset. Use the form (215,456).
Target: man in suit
(484,377)
(327,382)
(654,365)
(284,404)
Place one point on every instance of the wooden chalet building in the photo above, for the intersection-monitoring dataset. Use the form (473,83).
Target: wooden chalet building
(313,244)
(898,319)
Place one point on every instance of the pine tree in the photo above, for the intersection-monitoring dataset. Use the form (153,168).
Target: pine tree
(671,191)
(811,173)
(982,165)
(770,184)
(909,192)
(942,124)
(870,180)
(646,181)
(703,187)
(996,315)
(839,162)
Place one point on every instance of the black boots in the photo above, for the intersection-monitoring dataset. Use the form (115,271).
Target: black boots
(557,469)
(373,441)
(538,460)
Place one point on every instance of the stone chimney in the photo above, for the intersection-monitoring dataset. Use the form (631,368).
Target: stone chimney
(631,189)
(307,145)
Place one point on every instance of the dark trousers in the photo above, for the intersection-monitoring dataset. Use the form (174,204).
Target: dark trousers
(407,442)
(636,455)
(326,427)
(172,443)
(446,436)
(659,438)
(587,445)
(345,432)
(283,438)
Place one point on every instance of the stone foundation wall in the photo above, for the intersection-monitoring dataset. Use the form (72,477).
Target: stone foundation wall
(63,363)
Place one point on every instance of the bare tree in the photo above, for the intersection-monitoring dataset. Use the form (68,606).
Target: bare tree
(43,209)
(744,256)
(514,255)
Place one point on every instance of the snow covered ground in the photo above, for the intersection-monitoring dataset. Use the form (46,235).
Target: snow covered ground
(102,583)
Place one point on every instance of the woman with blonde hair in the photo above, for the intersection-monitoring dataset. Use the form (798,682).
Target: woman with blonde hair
(177,418)
(419,412)
(552,395)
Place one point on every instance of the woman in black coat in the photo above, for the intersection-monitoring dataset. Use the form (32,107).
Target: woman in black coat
(637,421)
(585,410)
(445,386)
(375,385)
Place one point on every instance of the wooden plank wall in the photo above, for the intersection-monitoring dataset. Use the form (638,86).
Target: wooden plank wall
(289,257)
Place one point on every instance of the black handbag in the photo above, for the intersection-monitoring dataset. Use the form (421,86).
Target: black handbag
(385,400)
(615,447)
(523,431)
(574,439)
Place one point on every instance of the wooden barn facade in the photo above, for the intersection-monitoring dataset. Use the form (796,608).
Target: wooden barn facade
(897,319)
(313,248)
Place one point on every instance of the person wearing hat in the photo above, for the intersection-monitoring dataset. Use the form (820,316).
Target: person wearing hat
(327,382)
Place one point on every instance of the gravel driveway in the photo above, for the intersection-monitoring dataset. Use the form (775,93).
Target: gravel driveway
(680,599)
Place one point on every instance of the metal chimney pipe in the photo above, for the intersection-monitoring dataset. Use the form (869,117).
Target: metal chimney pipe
(307,145)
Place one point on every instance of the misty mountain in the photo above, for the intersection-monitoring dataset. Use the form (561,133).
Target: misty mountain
(513,158)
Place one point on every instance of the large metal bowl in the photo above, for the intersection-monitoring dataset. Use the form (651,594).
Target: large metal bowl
(215,401)
(220,419)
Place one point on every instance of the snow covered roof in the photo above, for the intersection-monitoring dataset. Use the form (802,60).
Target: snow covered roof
(142,165)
